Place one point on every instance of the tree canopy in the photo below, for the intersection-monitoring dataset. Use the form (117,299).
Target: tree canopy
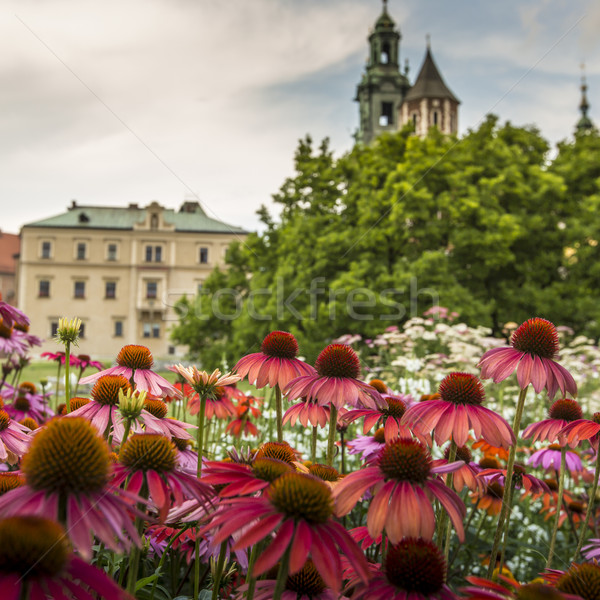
(486,225)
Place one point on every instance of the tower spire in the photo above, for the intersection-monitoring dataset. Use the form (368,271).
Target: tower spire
(584,123)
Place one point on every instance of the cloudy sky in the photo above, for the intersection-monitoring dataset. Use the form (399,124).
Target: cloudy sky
(138,100)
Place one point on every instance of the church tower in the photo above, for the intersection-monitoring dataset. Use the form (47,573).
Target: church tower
(429,102)
(585,123)
(382,88)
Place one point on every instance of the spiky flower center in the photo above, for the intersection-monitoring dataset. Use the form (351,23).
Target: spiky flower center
(301,496)
(78,402)
(394,408)
(68,457)
(279,450)
(462,388)
(489,462)
(33,547)
(538,591)
(4,420)
(148,451)
(582,580)
(9,481)
(554,447)
(338,360)
(22,403)
(180,444)
(566,410)
(27,387)
(280,344)
(307,582)
(405,460)
(156,407)
(576,507)
(324,472)
(106,389)
(135,357)
(552,484)
(416,565)
(462,453)
(379,385)
(495,489)
(29,423)
(5,332)
(536,336)
(269,469)
(379,435)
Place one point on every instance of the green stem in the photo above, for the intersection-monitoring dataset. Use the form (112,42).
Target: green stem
(561,488)
(332,430)
(219,571)
(506,526)
(67,375)
(343,448)
(588,512)
(250,575)
(313,445)
(200,432)
(279,409)
(126,430)
(134,561)
(57,385)
(196,565)
(282,574)
(451,459)
(507,483)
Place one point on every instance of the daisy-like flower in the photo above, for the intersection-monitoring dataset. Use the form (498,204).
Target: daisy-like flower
(489,499)
(591,550)
(151,459)
(335,381)
(489,450)
(388,416)
(68,465)
(278,450)
(484,589)
(561,413)
(297,509)
(325,473)
(582,429)
(11,315)
(22,331)
(404,482)
(60,357)
(307,411)
(534,346)
(167,426)
(275,364)
(14,439)
(457,412)
(27,402)
(466,475)
(134,363)
(414,569)
(37,559)
(368,446)
(522,480)
(549,458)
(11,342)
(582,580)
(218,405)
(202,382)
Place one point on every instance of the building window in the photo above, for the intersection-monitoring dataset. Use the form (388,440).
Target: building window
(154,252)
(148,253)
(46,249)
(385,54)
(151,330)
(111,289)
(111,252)
(82,330)
(435,117)
(171,350)
(154,221)
(79,289)
(158,254)
(81,251)
(53,328)
(44,289)
(414,117)
(203,256)
(118,328)
(151,290)
(387,114)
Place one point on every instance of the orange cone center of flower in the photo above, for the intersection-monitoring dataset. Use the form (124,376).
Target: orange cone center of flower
(135,357)
(33,547)
(307,583)
(301,496)
(538,591)
(324,472)
(462,388)
(279,450)
(379,435)
(157,408)
(5,332)
(180,444)
(29,422)
(378,385)
(537,337)
(106,389)
(21,327)
(338,360)
(395,408)
(4,420)
(22,404)
(280,344)
(495,489)
(405,460)
(148,451)
(576,507)
(9,481)
(489,462)
(27,386)
(68,457)
(566,410)
(582,580)
(416,565)
(78,402)
(269,469)
(462,453)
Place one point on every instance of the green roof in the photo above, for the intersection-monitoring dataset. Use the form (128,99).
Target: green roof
(189,218)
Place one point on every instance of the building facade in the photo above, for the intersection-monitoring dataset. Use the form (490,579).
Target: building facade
(120,270)
(9,250)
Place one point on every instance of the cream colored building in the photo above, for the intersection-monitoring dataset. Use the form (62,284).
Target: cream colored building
(120,270)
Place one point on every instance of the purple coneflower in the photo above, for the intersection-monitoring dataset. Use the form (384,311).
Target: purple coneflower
(11,341)
(14,439)
(549,459)
(388,416)
(561,413)
(10,315)
(368,446)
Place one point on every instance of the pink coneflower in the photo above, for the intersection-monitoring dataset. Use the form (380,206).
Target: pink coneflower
(11,342)
(37,562)
(151,459)
(219,405)
(484,589)
(368,446)
(561,413)
(22,332)
(388,416)
(466,475)
(489,498)
(187,459)
(27,402)
(134,363)
(534,345)
(414,569)
(582,580)
(549,458)
(14,439)
(335,381)
(457,412)
(307,411)
(10,315)
(405,483)
(582,429)
(67,470)
(275,364)
(60,357)
(522,480)
(297,509)
(167,426)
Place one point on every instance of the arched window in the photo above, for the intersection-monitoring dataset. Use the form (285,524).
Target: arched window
(384,58)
